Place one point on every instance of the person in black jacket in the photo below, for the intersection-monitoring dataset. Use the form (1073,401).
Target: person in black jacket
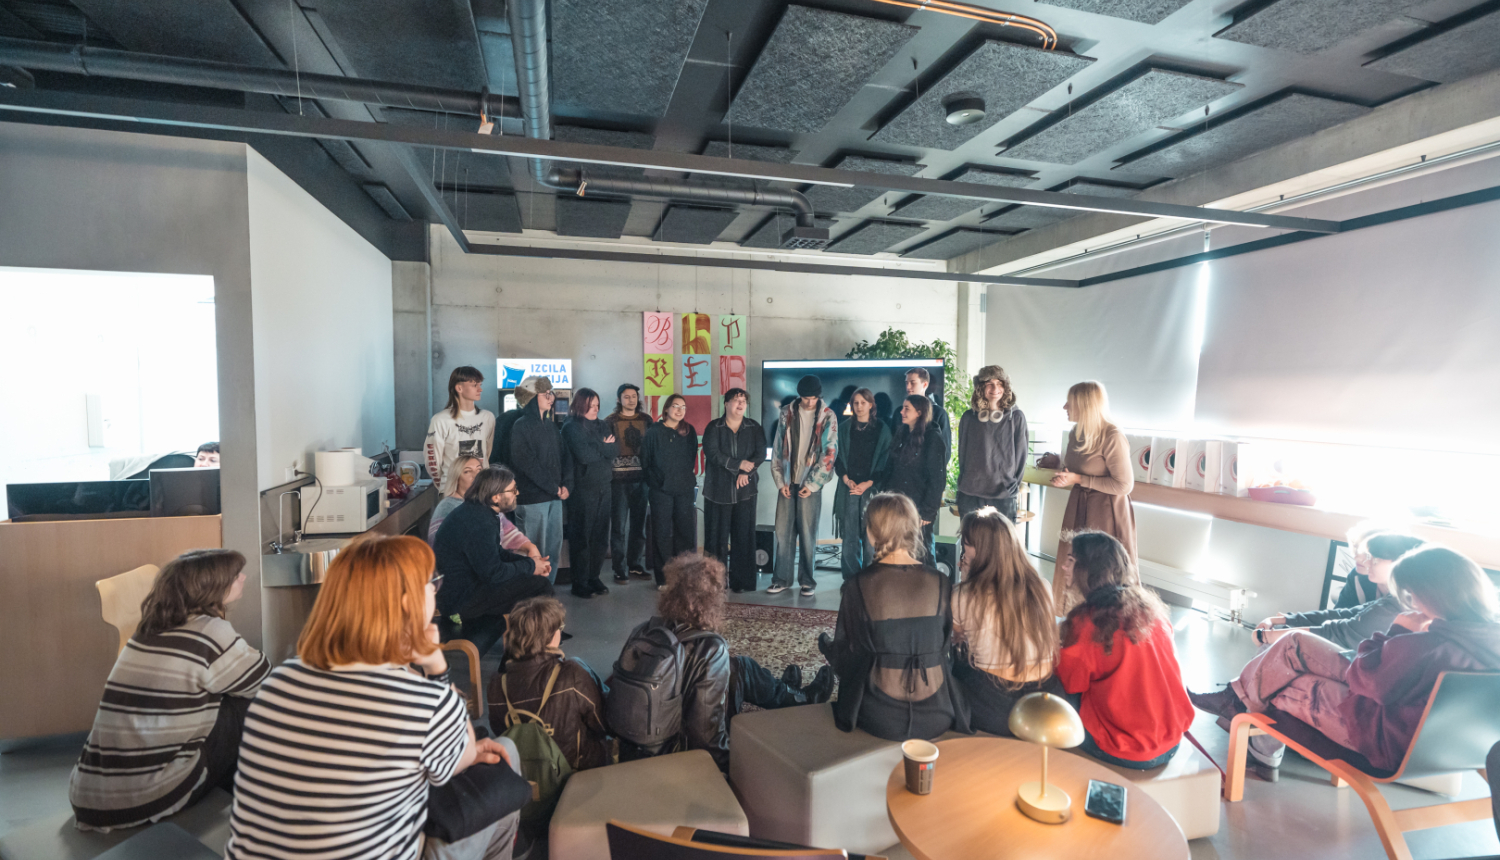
(480,578)
(669,457)
(714,686)
(918,380)
(592,449)
(918,466)
(543,469)
(733,448)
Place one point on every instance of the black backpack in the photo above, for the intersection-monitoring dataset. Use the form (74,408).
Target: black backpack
(645,695)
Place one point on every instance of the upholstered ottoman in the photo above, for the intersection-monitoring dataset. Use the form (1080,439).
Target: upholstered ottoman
(657,794)
(1187,787)
(57,839)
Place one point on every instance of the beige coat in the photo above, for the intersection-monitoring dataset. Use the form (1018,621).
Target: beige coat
(1099,501)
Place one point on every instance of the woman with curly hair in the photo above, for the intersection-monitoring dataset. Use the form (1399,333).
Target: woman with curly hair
(711,686)
(992,443)
(1117,655)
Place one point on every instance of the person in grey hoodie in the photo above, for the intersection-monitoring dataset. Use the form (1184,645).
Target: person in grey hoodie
(593,449)
(1347,628)
(992,445)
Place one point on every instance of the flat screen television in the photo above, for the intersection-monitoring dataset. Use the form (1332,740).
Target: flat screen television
(65,500)
(841,377)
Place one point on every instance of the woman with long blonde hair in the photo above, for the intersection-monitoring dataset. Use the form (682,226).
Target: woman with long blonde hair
(1096,465)
(890,649)
(1002,613)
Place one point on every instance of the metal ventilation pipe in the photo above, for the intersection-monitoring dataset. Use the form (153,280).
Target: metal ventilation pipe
(528,40)
(103,62)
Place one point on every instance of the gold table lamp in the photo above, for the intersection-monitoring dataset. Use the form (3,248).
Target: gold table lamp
(1049,721)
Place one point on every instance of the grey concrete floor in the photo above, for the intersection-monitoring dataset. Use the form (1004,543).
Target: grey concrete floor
(1302,816)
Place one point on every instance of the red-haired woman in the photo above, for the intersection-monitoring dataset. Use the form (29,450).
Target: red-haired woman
(344,741)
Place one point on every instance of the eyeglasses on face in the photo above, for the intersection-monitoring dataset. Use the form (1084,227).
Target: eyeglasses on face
(436,582)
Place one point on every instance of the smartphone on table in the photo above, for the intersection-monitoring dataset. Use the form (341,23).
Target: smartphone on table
(1106,802)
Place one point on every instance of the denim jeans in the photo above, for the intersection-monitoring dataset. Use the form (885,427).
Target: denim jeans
(968,504)
(855,553)
(542,524)
(1088,746)
(796,526)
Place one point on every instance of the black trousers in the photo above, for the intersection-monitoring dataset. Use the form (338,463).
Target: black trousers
(221,749)
(990,700)
(496,600)
(752,683)
(627,534)
(588,513)
(674,528)
(729,536)
(968,504)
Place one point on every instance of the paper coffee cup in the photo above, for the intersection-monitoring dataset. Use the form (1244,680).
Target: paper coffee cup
(920,758)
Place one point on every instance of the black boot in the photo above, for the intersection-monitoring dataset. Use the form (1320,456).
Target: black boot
(1225,703)
(598,587)
(792,676)
(821,688)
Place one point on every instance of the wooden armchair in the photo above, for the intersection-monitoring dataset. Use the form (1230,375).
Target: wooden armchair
(1459,726)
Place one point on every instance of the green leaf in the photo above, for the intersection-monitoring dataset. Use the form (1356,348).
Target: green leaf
(893,343)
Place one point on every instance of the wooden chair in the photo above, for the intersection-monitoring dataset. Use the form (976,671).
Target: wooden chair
(1459,726)
(121,596)
(632,843)
(474,695)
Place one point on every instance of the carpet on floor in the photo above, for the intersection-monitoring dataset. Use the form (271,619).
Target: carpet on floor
(778,635)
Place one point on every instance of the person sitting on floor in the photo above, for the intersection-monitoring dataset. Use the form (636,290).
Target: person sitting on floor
(1348,627)
(169,723)
(536,668)
(1373,703)
(511,538)
(1003,614)
(1117,655)
(350,747)
(891,646)
(711,686)
(483,578)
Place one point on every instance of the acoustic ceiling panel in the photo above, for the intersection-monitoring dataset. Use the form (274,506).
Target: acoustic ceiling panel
(1145,103)
(595,219)
(383,196)
(1098,189)
(1287,118)
(1030,217)
(1309,26)
(1145,11)
(814,63)
(875,236)
(769,234)
(436,46)
(829,198)
(1462,52)
(993,177)
(487,212)
(935,208)
(1006,76)
(620,56)
(694,225)
(751,152)
(956,244)
(201,29)
(603,137)
(346,156)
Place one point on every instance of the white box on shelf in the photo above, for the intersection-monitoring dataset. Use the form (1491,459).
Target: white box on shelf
(1223,473)
(1140,457)
(1192,465)
(1163,460)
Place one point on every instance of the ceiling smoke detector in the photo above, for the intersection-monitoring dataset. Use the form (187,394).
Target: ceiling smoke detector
(963,108)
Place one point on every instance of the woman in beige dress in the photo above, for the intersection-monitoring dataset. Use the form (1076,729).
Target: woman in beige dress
(1097,466)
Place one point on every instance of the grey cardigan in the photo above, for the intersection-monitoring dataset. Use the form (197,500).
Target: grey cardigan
(1348,627)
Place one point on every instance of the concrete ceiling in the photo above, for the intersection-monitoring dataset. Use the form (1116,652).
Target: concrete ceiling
(1138,92)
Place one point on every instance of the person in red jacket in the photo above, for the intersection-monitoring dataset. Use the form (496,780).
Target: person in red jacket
(1373,703)
(1118,656)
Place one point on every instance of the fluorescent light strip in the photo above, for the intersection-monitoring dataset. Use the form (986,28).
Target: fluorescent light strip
(852,362)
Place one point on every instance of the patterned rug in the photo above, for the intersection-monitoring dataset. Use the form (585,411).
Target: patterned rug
(777,635)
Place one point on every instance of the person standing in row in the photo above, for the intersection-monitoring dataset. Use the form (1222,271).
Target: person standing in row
(918,467)
(543,469)
(592,448)
(733,448)
(864,449)
(992,444)
(461,428)
(669,458)
(802,459)
(918,380)
(627,534)
(1097,465)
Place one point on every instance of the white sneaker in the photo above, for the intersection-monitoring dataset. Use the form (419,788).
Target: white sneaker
(775,589)
(661,588)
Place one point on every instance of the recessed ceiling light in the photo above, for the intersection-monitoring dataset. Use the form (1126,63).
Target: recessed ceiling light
(963,108)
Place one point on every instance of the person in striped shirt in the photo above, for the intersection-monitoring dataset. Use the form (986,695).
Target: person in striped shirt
(169,722)
(346,742)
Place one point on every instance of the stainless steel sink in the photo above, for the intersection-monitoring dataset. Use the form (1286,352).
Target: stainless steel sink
(305,562)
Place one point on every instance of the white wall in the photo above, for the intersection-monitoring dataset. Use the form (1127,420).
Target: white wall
(321,304)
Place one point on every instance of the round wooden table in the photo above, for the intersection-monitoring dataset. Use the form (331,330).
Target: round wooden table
(971,812)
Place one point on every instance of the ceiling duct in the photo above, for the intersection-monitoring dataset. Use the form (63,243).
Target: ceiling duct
(528,28)
(105,62)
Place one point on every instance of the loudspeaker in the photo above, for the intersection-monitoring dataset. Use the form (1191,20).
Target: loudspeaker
(765,549)
(946,548)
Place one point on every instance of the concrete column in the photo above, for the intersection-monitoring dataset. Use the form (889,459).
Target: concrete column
(971,329)
(411,305)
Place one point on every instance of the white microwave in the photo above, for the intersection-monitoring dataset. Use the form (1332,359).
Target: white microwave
(343,510)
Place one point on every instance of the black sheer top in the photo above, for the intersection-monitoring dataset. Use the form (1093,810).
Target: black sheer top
(892,652)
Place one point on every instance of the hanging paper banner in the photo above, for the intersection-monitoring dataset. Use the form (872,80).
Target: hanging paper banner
(697,375)
(657,332)
(733,332)
(699,412)
(658,375)
(697,334)
(731,372)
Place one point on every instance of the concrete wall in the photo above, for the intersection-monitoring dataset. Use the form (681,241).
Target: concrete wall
(410,295)
(323,329)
